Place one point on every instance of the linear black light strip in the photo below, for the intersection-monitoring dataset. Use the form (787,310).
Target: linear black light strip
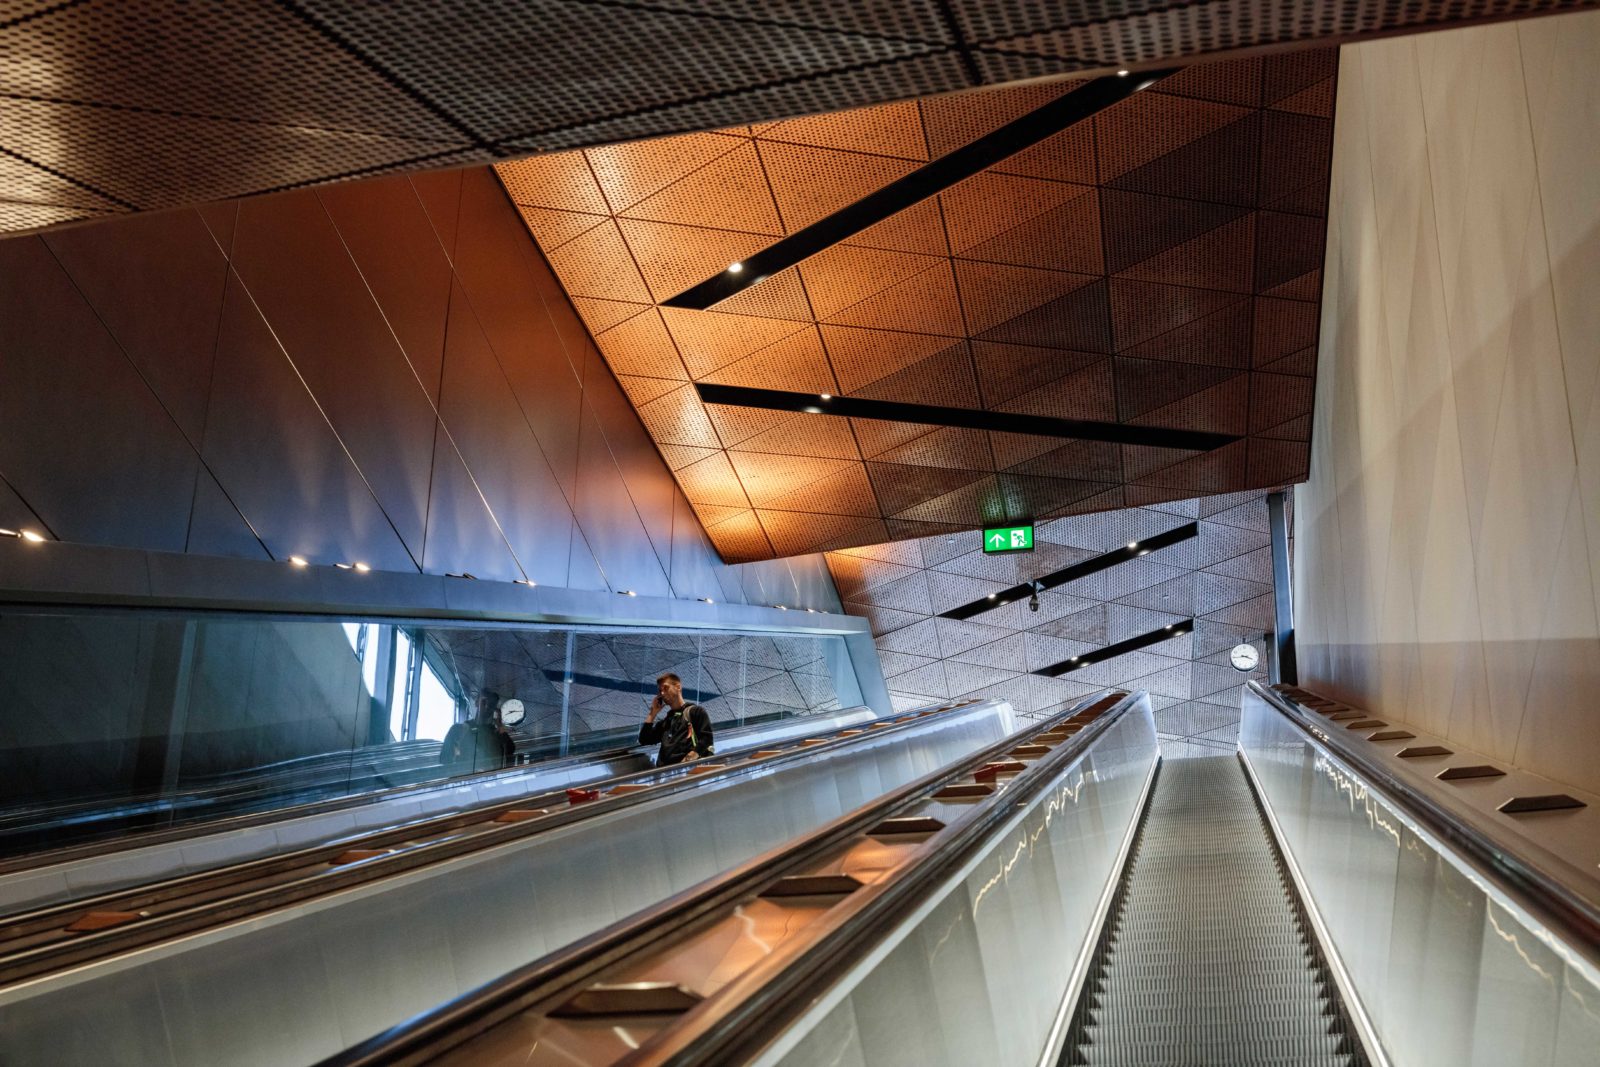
(1081,569)
(856,407)
(925,181)
(1132,644)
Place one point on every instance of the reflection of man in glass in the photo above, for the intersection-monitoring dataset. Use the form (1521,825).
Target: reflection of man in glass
(481,744)
(685,731)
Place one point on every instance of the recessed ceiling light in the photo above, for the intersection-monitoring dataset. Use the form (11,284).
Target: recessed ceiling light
(827,396)
(811,611)
(735,268)
(1133,544)
(812,409)
(992,596)
(29,535)
(363,568)
(1144,552)
(1074,659)
(298,561)
(783,607)
(342,566)
(8,533)
(1122,74)
(529,582)
(705,600)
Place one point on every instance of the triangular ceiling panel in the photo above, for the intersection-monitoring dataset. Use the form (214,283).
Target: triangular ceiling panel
(1126,269)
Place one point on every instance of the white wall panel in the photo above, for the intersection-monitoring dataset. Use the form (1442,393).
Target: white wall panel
(1446,545)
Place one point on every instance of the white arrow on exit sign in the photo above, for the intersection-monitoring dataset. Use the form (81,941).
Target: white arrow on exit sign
(997,539)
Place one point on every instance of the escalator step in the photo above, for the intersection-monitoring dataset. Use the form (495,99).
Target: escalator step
(1205,959)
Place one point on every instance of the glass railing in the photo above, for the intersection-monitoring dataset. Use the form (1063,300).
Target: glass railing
(118,721)
(1440,958)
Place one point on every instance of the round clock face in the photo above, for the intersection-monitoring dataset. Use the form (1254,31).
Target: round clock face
(1244,657)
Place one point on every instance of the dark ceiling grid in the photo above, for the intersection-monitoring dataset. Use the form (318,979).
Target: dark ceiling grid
(1220,578)
(949,335)
(163,103)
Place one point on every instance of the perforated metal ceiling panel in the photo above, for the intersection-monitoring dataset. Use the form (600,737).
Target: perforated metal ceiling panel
(1156,267)
(109,106)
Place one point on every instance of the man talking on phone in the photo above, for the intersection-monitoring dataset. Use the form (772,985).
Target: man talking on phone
(684,732)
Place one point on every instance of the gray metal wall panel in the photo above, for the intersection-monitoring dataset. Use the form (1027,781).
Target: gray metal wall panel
(268,443)
(157,285)
(402,259)
(395,299)
(609,520)
(492,434)
(82,438)
(300,275)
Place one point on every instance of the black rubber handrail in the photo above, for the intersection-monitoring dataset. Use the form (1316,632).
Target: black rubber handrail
(749,1012)
(196,828)
(455,1022)
(1574,917)
(320,879)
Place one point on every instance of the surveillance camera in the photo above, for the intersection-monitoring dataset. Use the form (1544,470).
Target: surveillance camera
(1033,602)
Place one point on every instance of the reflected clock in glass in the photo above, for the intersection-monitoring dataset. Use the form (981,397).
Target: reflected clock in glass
(1244,658)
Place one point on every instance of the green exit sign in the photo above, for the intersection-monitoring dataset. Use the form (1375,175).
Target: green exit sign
(1008,539)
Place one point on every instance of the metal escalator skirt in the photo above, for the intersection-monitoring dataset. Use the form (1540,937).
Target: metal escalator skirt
(979,972)
(298,985)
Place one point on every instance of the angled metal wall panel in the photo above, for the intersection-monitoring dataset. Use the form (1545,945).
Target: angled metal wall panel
(82,438)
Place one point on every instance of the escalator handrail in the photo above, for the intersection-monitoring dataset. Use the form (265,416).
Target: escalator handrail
(95,849)
(457,1021)
(668,781)
(1573,916)
(755,1007)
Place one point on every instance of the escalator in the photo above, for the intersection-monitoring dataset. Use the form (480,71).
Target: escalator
(346,939)
(1323,897)
(1206,957)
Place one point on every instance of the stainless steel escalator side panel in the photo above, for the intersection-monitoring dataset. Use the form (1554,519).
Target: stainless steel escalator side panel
(978,972)
(1445,962)
(100,869)
(300,984)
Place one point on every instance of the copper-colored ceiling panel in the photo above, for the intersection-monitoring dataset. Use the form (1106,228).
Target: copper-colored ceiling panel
(563,181)
(712,482)
(796,363)
(736,425)
(991,203)
(861,356)
(767,477)
(600,264)
(924,301)
(741,538)
(1064,238)
(1151,125)
(552,228)
(827,437)
(672,257)
(845,275)
(1217,259)
(730,192)
(679,419)
(642,390)
(680,456)
(890,130)
(708,340)
(995,293)
(1085,394)
(949,447)
(919,229)
(944,379)
(641,345)
(811,182)
(847,492)
(1130,271)
(1005,371)
(628,173)
(953,121)
(600,315)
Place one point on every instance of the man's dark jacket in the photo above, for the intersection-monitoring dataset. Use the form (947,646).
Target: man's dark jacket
(476,746)
(678,730)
